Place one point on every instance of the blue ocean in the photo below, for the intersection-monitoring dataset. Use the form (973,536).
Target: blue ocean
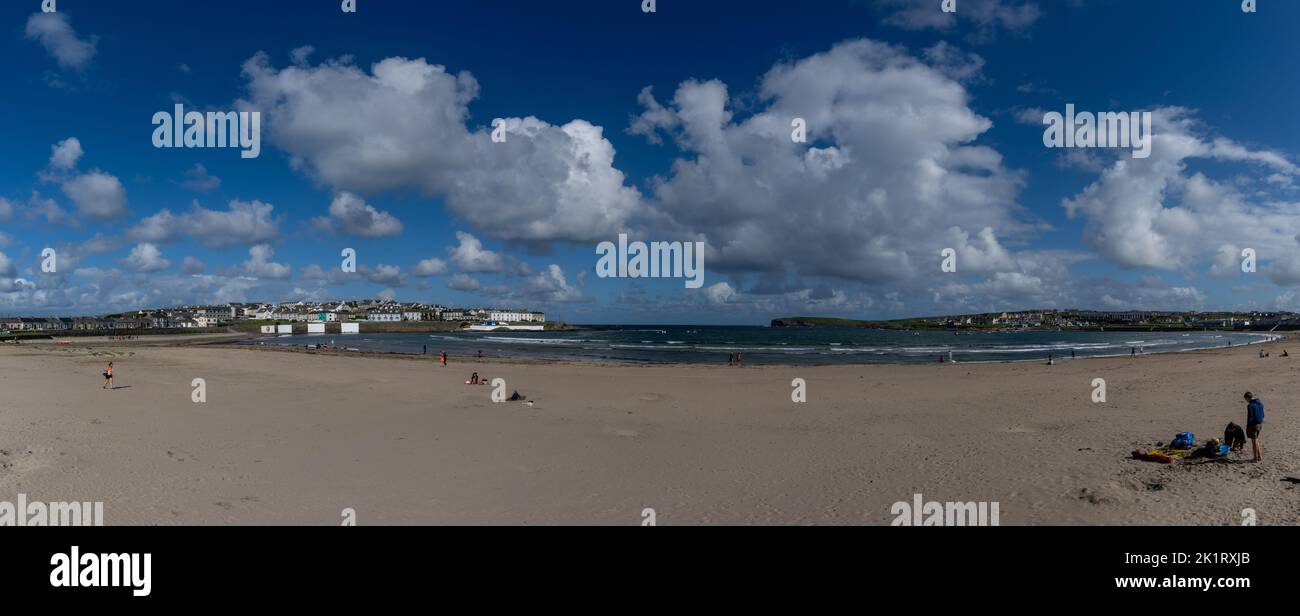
(677,344)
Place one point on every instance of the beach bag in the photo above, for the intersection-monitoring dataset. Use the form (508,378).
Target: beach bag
(1183,440)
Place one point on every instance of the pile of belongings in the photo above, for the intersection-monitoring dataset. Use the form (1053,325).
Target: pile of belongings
(1182,446)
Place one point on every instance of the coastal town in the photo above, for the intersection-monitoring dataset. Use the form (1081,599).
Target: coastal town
(1091,319)
(1071,319)
(250,314)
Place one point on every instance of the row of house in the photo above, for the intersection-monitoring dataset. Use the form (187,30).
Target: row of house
(203,316)
(54,324)
(1071,319)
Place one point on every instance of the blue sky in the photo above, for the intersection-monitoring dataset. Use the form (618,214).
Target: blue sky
(924,133)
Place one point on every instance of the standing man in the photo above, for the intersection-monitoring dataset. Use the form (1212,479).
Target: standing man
(1254,421)
(443,357)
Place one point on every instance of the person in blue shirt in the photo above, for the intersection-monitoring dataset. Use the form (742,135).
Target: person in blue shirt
(1254,422)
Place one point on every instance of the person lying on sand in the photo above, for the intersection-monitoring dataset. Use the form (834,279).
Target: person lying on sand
(473,379)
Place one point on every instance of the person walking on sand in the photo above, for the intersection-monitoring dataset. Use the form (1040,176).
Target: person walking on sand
(442,356)
(1254,421)
(108,376)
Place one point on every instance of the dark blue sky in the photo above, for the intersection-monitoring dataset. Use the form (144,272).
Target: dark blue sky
(1225,81)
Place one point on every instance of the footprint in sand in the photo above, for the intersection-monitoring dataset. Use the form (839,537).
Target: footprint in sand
(623,432)
(20,464)
(649,397)
(227,505)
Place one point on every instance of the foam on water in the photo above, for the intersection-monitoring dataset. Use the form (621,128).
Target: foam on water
(715,345)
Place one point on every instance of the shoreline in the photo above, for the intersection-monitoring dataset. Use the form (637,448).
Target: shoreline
(246,343)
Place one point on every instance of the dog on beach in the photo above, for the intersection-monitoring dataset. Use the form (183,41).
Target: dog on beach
(1235,437)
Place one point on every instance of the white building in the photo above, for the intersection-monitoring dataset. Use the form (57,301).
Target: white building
(412,316)
(385,318)
(516,316)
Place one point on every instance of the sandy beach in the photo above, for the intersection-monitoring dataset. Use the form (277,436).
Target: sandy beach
(295,438)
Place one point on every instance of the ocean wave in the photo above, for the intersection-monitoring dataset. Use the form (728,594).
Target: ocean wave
(793,347)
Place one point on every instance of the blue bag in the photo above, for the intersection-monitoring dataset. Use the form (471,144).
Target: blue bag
(1183,440)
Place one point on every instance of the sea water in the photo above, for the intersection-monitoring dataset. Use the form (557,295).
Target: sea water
(778,345)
